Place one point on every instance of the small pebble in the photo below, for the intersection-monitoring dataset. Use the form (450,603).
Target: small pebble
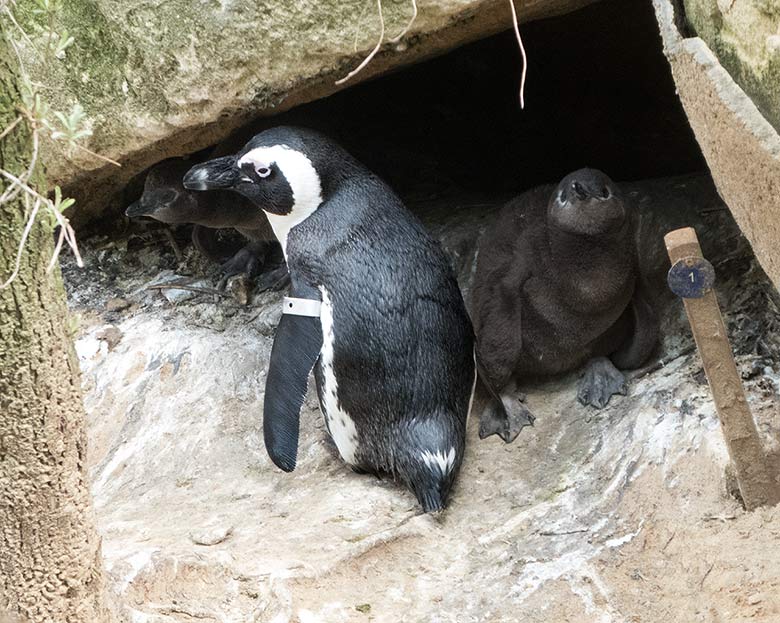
(773,44)
(117,304)
(211,536)
(238,286)
(111,336)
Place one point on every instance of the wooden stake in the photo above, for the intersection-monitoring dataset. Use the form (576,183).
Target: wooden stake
(691,278)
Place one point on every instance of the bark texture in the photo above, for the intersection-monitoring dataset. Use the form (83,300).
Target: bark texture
(50,555)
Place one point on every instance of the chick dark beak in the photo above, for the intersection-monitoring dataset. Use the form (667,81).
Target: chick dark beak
(213,175)
(581,191)
(137,209)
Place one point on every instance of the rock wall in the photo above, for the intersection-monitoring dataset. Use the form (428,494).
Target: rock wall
(164,78)
(741,147)
(745,36)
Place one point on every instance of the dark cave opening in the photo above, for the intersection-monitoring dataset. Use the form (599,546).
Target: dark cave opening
(599,94)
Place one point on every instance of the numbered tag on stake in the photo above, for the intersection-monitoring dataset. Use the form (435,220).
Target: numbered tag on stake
(691,277)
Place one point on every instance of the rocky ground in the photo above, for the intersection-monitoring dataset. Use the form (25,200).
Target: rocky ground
(619,515)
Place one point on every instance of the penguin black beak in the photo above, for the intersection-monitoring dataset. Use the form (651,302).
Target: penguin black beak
(215,174)
(151,202)
(137,209)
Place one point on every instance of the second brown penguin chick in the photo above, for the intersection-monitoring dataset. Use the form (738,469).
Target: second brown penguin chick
(165,199)
(556,286)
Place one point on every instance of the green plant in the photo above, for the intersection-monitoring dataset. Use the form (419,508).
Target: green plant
(65,129)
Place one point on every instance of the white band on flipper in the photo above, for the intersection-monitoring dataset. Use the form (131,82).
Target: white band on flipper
(301,307)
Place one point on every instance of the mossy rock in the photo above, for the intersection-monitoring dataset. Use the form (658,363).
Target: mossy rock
(745,36)
(159,78)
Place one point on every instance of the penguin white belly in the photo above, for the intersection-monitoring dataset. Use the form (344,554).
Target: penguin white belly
(341,426)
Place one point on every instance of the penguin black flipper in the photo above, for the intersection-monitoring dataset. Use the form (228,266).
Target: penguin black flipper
(295,351)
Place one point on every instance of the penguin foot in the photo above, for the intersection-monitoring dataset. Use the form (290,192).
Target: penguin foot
(505,419)
(239,287)
(601,380)
(274,280)
(246,261)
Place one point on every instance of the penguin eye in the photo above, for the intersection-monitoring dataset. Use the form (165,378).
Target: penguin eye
(166,196)
(263,171)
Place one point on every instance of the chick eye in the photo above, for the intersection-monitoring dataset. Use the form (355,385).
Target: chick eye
(167,196)
(263,171)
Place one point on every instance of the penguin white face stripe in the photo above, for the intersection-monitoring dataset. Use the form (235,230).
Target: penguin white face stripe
(303,179)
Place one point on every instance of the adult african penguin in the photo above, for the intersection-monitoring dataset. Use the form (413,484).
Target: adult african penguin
(374,310)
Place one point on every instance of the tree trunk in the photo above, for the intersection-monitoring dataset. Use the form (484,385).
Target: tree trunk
(50,557)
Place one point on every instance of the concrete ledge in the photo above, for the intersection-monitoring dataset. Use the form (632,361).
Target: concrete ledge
(741,147)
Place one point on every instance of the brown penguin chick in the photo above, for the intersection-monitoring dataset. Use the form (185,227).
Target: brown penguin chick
(165,199)
(557,286)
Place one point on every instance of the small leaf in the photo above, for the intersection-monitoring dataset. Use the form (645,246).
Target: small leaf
(83,133)
(63,119)
(73,125)
(77,117)
(364,608)
(63,44)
